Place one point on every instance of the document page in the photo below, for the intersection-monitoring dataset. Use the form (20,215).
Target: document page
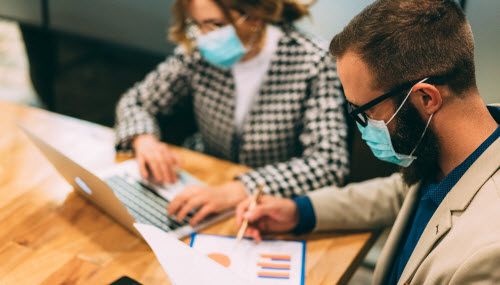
(184,265)
(268,262)
(222,260)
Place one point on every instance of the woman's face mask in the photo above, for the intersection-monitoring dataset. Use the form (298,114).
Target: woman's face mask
(222,47)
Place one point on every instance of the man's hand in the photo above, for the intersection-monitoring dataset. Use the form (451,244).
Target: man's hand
(156,157)
(208,200)
(271,214)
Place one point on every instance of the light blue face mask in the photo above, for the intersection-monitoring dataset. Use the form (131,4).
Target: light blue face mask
(377,136)
(222,47)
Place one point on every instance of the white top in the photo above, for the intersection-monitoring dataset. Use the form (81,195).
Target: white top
(249,75)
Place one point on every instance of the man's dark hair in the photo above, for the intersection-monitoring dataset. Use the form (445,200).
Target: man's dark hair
(405,40)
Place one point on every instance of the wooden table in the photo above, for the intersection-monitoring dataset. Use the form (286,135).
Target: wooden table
(50,235)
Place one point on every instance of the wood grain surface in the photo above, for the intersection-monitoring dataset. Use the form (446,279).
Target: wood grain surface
(50,235)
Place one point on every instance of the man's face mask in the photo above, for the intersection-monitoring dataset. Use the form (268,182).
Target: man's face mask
(377,136)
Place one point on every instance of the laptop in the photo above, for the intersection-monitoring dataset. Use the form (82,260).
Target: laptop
(124,195)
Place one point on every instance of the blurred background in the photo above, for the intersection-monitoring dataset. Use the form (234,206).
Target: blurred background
(78,57)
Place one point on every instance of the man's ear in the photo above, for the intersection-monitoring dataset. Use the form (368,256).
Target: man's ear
(426,98)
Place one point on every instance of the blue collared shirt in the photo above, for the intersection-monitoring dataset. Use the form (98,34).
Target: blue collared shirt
(431,196)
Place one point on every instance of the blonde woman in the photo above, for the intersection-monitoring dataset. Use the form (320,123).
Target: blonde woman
(263,94)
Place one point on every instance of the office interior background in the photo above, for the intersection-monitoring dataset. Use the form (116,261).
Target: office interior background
(85,54)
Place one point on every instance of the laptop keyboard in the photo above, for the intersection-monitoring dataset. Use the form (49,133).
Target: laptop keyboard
(145,205)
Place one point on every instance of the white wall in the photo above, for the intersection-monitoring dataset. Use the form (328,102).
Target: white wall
(484,17)
(330,16)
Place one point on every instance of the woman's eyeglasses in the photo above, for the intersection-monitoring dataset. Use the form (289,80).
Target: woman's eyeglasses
(195,29)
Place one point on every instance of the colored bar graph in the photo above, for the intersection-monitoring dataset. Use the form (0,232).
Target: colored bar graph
(276,257)
(273,265)
(274,275)
(278,268)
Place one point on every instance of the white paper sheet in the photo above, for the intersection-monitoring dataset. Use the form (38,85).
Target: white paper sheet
(269,262)
(184,265)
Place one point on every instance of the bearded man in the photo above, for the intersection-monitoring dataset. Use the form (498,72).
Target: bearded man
(407,68)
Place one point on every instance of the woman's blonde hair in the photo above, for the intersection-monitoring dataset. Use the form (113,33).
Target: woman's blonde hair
(271,11)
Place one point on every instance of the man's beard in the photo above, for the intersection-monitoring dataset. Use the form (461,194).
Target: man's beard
(409,128)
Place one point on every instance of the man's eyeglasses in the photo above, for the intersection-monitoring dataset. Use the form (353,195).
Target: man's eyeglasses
(358,112)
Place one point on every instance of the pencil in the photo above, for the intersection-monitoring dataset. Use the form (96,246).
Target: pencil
(244,225)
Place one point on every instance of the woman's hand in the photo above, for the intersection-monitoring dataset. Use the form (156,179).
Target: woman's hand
(208,200)
(271,214)
(155,159)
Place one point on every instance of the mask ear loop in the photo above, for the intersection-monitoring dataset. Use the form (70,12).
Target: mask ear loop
(241,20)
(423,134)
(404,101)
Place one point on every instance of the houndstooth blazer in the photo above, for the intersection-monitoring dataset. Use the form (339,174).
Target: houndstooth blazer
(294,135)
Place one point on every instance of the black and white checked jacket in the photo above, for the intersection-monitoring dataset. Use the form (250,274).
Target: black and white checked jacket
(294,135)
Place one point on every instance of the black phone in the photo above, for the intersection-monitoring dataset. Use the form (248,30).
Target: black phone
(125,280)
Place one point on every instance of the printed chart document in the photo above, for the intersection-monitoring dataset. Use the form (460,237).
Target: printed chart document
(223,260)
(268,262)
(183,265)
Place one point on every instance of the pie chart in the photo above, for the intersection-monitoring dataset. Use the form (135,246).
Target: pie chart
(220,258)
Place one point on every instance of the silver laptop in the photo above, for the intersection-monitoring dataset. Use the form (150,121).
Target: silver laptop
(124,195)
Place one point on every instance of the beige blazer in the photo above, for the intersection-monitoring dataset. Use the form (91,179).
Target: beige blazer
(461,243)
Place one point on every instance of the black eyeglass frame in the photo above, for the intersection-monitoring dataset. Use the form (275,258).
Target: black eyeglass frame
(358,113)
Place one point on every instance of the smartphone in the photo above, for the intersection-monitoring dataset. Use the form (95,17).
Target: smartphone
(125,280)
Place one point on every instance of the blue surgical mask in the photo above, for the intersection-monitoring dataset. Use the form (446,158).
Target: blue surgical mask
(222,47)
(377,136)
